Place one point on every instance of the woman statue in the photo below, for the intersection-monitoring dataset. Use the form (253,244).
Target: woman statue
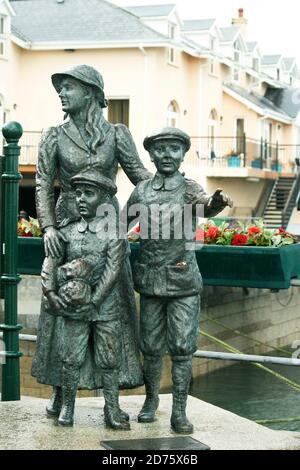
(85,139)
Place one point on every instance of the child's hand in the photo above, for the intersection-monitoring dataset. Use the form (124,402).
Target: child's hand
(55,302)
(219,198)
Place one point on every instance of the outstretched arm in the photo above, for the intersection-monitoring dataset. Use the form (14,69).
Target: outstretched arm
(128,156)
(212,204)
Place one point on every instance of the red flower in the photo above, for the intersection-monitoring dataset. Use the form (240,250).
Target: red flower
(254,230)
(28,234)
(137,228)
(213,232)
(239,240)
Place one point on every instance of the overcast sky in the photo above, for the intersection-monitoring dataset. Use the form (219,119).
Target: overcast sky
(274,24)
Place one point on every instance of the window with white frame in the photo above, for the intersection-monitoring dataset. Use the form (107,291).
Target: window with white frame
(236,74)
(171,35)
(212,66)
(255,64)
(237,52)
(173,114)
(1,24)
(2,35)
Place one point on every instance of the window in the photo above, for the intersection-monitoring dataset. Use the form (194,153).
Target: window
(236,74)
(171,55)
(237,53)
(255,64)
(240,129)
(118,112)
(212,66)
(2,35)
(278,74)
(1,24)
(172,35)
(291,80)
(212,124)
(172,29)
(173,114)
(212,44)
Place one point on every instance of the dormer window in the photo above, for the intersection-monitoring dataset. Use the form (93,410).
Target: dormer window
(172,35)
(172,31)
(255,64)
(2,36)
(212,44)
(237,53)
(1,24)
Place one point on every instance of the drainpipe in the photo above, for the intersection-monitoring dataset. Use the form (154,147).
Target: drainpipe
(146,91)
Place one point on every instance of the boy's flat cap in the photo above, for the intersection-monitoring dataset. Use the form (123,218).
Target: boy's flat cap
(168,133)
(93,177)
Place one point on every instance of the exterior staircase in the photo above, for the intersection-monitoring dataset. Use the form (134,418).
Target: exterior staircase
(281,202)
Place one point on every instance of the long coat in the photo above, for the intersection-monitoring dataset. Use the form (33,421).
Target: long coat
(63,154)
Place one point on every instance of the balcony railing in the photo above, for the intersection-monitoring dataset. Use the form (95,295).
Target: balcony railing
(29,147)
(210,151)
(236,151)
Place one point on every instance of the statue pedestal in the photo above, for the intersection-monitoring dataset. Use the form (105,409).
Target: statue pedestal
(23,425)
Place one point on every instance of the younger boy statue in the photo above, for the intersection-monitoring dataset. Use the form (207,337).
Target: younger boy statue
(80,286)
(167,275)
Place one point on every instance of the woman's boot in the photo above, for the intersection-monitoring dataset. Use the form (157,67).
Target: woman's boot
(55,403)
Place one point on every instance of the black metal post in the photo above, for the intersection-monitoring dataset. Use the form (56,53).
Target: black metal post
(261,153)
(12,132)
(245,149)
(2,221)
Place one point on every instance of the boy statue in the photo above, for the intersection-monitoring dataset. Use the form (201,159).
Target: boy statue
(76,286)
(167,275)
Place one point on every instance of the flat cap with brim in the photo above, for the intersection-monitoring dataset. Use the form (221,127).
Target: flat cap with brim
(92,177)
(168,133)
(86,75)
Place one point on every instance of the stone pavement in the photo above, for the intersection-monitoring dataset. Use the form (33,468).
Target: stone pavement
(23,425)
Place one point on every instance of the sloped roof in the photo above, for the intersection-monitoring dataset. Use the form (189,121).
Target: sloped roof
(229,34)
(143,11)
(44,21)
(198,25)
(270,59)
(251,46)
(289,62)
(286,99)
(264,102)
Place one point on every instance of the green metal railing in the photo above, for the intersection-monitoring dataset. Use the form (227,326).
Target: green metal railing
(10,178)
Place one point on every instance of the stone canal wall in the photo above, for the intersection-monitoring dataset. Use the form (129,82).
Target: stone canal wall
(264,320)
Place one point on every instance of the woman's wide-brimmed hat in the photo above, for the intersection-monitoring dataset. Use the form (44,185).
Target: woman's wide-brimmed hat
(85,74)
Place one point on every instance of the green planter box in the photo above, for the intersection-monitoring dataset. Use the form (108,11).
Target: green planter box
(30,255)
(235,266)
(265,268)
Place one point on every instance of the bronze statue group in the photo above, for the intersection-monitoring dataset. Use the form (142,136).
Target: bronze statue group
(87,337)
